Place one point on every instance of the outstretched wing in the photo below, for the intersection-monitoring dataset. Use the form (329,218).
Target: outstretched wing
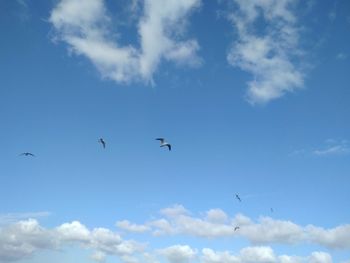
(169,147)
(161,140)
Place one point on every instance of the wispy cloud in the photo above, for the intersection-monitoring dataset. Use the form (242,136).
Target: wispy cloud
(86,27)
(333,147)
(14,217)
(269,54)
(23,12)
(341,56)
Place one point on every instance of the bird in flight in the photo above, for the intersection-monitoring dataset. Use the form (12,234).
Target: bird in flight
(102,142)
(239,199)
(271,209)
(164,143)
(27,154)
(236,228)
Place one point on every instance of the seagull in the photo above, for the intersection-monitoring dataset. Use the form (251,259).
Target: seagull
(239,199)
(27,154)
(102,142)
(164,143)
(236,228)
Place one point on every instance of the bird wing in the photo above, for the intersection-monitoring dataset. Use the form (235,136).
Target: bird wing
(161,140)
(31,154)
(169,146)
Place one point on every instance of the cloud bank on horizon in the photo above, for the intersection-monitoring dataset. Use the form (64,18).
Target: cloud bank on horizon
(24,238)
(270,57)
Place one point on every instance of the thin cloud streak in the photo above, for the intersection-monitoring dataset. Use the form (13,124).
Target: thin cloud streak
(14,217)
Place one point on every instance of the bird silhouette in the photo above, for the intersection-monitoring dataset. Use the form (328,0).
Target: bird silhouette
(271,209)
(102,142)
(27,154)
(236,228)
(238,198)
(164,143)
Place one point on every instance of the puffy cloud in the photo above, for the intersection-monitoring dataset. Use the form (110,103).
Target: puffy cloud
(338,237)
(269,230)
(86,28)
(320,257)
(258,254)
(98,256)
(216,216)
(22,239)
(267,54)
(178,253)
(73,231)
(211,256)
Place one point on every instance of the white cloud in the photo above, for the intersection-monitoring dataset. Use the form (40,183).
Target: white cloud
(86,28)
(320,257)
(268,55)
(178,253)
(216,224)
(126,225)
(216,216)
(23,239)
(74,231)
(98,256)
(260,255)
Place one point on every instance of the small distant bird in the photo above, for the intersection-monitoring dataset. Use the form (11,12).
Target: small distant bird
(239,199)
(27,154)
(164,143)
(236,228)
(102,142)
(271,209)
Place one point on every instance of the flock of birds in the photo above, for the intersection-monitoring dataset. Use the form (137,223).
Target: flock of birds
(163,143)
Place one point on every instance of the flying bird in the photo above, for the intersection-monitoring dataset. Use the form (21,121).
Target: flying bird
(164,143)
(102,142)
(27,154)
(236,228)
(271,209)
(239,199)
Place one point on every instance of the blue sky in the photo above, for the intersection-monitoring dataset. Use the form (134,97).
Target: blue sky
(252,95)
